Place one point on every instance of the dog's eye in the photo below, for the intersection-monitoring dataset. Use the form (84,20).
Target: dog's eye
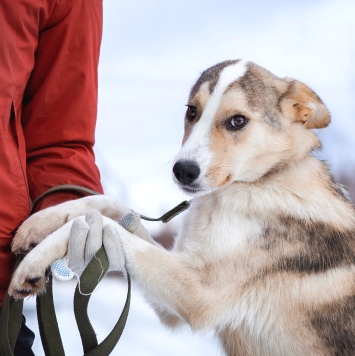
(191,112)
(237,122)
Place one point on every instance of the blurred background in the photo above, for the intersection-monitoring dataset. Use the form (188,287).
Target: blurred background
(152,53)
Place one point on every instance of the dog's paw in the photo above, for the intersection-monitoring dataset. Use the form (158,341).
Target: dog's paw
(25,285)
(33,230)
(31,275)
(38,226)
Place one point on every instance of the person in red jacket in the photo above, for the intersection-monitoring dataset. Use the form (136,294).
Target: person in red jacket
(49,52)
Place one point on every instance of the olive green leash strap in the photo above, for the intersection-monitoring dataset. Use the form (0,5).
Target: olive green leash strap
(10,321)
(88,282)
(170,214)
(105,347)
(71,187)
(64,187)
(47,323)
(91,276)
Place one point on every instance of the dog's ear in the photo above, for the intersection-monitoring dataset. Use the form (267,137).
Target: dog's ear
(302,104)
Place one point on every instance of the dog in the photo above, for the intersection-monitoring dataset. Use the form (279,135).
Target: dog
(266,253)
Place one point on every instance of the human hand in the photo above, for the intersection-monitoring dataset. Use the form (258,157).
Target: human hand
(86,238)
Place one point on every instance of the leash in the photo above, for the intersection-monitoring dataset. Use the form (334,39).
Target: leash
(11,313)
(170,214)
(164,218)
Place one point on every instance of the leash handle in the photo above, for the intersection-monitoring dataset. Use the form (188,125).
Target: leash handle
(164,218)
(48,324)
(91,276)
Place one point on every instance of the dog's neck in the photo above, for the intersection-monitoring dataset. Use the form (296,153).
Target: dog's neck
(226,220)
(304,190)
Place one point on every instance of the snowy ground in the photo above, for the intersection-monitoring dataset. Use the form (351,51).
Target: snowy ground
(143,335)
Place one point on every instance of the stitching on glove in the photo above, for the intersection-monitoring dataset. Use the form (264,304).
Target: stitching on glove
(98,284)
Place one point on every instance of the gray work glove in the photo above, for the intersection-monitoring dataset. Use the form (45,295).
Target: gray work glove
(86,238)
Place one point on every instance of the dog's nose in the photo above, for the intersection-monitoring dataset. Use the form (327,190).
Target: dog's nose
(186,172)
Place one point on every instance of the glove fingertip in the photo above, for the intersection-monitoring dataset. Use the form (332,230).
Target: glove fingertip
(114,248)
(93,216)
(79,224)
(130,221)
(61,271)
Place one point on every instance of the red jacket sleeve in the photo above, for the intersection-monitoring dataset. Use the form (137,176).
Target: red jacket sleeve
(60,104)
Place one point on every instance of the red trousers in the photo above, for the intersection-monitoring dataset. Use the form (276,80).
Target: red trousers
(49,51)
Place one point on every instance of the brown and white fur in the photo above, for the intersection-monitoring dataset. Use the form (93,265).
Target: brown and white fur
(266,254)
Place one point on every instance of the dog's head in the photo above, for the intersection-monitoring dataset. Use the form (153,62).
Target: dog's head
(241,123)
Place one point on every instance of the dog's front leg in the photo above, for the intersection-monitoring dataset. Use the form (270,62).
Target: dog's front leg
(172,281)
(30,276)
(41,224)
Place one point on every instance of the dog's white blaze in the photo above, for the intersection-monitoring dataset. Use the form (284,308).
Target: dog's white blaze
(197,146)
